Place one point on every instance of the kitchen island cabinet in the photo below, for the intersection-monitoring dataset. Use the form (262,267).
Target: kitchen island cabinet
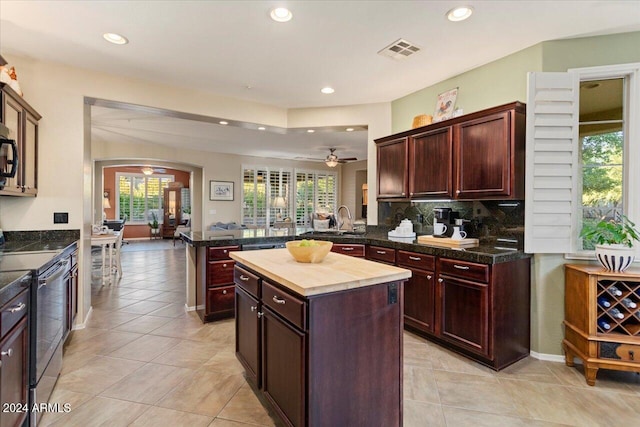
(302,329)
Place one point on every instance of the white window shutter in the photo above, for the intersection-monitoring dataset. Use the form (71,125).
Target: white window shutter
(552,164)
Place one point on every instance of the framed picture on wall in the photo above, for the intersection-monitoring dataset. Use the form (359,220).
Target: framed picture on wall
(221,190)
(445,104)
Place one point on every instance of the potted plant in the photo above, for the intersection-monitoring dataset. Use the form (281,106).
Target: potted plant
(155,227)
(613,241)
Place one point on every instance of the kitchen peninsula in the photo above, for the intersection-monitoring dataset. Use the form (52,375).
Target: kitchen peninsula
(323,342)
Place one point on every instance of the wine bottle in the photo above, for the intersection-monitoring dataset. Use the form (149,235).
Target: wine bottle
(627,302)
(614,291)
(603,302)
(604,325)
(615,313)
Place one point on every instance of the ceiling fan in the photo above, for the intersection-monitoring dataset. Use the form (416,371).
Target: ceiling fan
(148,170)
(332,159)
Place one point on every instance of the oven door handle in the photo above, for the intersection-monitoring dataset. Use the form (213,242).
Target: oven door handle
(61,268)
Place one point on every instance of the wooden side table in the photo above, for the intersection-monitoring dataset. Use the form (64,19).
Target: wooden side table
(602,319)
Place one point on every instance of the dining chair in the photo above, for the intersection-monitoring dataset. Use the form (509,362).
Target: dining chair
(117,249)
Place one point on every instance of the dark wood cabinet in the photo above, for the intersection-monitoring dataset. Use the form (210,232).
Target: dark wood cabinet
(355,250)
(22,121)
(381,254)
(431,163)
(479,156)
(419,290)
(284,368)
(392,165)
(486,156)
(14,381)
(72,292)
(214,283)
(304,362)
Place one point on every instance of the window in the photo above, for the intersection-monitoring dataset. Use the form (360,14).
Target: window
(602,141)
(316,191)
(269,194)
(582,156)
(139,196)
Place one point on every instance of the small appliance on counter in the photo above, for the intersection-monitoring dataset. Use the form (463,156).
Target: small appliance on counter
(403,232)
(447,217)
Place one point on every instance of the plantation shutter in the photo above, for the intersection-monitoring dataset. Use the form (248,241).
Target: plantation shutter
(552,163)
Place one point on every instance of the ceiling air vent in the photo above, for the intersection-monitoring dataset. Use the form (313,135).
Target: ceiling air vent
(399,49)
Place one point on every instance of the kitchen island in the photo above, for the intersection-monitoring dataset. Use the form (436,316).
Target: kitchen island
(322,342)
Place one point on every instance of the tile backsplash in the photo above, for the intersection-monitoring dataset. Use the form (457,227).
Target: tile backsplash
(490,220)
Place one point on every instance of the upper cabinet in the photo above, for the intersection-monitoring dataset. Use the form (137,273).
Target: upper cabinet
(479,156)
(22,121)
(392,169)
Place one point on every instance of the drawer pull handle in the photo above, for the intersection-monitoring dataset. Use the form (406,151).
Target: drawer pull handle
(224,251)
(253,308)
(347,249)
(7,353)
(224,292)
(279,300)
(17,308)
(461,267)
(428,277)
(381,252)
(244,278)
(25,279)
(260,314)
(631,355)
(440,280)
(224,265)
(415,258)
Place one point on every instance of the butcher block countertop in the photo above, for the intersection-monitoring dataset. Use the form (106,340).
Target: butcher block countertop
(335,273)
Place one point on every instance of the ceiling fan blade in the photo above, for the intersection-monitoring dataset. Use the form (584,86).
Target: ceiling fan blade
(347,159)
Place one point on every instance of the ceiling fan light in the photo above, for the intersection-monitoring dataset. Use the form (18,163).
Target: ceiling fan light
(331,160)
(147,171)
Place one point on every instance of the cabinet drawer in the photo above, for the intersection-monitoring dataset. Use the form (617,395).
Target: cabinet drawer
(13,312)
(247,281)
(416,260)
(221,299)
(465,270)
(221,252)
(378,253)
(353,250)
(220,272)
(617,351)
(285,304)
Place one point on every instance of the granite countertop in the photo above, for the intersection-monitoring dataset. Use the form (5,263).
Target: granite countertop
(335,273)
(486,253)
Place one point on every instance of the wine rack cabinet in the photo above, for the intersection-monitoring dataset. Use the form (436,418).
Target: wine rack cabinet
(602,319)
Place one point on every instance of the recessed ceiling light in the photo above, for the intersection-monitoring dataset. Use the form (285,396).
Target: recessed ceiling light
(328,90)
(349,129)
(310,131)
(281,14)
(261,128)
(115,38)
(459,13)
(222,122)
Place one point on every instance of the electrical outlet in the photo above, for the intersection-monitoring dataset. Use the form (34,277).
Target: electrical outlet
(61,217)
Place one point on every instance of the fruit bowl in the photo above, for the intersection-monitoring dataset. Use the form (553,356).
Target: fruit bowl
(309,250)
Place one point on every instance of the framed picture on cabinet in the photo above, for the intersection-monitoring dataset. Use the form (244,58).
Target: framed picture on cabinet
(221,190)
(445,104)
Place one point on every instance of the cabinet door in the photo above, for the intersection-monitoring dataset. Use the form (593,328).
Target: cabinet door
(13,374)
(392,169)
(283,370)
(12,118)
(419,295)
(483,157)
(431,163)
(30,155)
(220,302)
(248,335)
(464,314)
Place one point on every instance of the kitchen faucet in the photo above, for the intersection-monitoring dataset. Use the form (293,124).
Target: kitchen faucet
(342,223)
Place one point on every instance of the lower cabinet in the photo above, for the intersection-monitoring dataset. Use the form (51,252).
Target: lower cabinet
(214,283)
(355,250)
(419,290)
(14,381)
(72,293)
(312,369)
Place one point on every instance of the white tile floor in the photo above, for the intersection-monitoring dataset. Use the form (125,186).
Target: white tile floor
(143,361)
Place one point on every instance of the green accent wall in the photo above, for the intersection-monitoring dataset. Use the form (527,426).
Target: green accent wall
(503,81)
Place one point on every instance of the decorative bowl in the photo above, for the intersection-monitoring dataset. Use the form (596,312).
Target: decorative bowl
(314,253)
